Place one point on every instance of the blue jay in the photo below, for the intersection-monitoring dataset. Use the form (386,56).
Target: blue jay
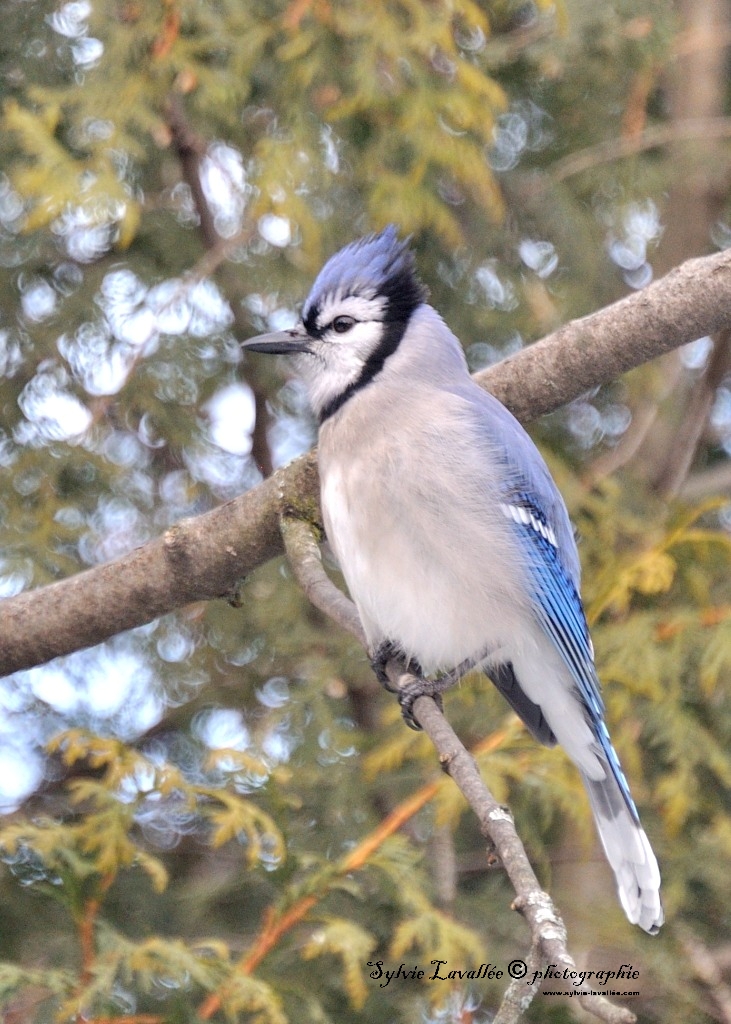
(453,539)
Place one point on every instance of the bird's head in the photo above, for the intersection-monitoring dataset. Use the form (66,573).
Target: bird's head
(352,320)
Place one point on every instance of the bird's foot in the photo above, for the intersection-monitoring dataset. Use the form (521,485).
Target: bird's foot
(387,651)
(410,688)
(410,683)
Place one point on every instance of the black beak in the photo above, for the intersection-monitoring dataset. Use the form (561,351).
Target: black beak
(280,343)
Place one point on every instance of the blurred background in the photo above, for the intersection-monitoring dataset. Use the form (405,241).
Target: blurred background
(172,176)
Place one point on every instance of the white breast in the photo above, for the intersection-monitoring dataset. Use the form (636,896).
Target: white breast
(426,561)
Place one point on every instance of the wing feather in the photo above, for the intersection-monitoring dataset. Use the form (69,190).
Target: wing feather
(561,615)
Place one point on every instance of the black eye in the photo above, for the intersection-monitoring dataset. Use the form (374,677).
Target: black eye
(342,324)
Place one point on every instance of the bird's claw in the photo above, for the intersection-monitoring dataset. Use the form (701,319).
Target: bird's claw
(389,651)
(409,689)
(410,683)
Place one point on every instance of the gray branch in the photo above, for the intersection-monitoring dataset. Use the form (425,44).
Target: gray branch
(202,558)
(548,933)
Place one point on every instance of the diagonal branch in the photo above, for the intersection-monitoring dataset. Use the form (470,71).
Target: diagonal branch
(706,968)
(191,149)
(609,150)
(278,922)
(688,303)
(548,934)
(202,558)
(683,444)
(305,559)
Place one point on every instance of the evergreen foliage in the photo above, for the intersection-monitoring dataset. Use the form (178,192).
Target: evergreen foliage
(221,814)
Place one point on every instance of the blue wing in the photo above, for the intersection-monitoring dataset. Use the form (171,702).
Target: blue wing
(560,613)
(558,604)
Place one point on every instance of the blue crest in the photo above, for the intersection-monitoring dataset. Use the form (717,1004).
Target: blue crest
(375,265)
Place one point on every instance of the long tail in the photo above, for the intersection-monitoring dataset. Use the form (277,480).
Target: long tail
(628,851)
(578,725)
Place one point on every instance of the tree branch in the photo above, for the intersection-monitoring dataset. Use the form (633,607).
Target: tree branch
(708,971)
(191,149)
(548,933)
(609,150)
(683,443)
(305,559)
(690,302)
(197,559)
(202,558)
(715,480)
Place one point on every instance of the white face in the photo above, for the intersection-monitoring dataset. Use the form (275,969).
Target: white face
(358,307)
(352,328)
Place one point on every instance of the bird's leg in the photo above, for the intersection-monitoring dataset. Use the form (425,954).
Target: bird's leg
(389,650)
(410,683)
(408,690)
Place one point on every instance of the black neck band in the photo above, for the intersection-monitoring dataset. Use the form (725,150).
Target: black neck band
(392,335)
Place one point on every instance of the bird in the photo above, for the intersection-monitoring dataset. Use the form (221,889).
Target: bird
(453,539)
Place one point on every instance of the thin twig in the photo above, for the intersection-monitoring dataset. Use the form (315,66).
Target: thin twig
(191,148)
(86,928)
(513,1003)
(305,559)
(644,416)
(714,480)
(704,128)
(548,933)
(443,863)
(683,444)
(277,924)
(708,971)
(132,1018)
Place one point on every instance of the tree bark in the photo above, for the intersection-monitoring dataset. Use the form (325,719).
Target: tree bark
(204,557)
